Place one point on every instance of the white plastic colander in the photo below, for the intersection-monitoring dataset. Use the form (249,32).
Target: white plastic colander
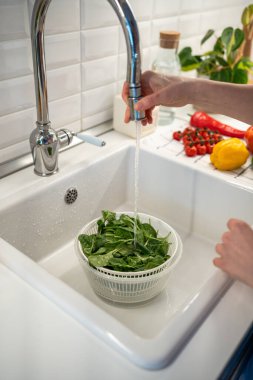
(132,287)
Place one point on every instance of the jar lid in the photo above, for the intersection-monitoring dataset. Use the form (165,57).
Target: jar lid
(169,39)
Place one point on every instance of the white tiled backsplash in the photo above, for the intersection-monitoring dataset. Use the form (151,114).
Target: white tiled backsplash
(86,57)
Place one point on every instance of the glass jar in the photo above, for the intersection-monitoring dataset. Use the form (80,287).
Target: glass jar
(167,63)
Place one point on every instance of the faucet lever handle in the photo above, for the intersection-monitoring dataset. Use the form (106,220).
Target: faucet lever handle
(90,139)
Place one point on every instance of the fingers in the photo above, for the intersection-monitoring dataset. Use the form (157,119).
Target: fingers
(148,102)
(149,116)
(147,120)
(235,223)
(125,92)
(219,248)
(127,118)
(127,115)
(226,237)
(218,262)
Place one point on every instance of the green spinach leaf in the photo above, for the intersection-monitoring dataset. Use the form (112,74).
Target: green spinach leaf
(124,244)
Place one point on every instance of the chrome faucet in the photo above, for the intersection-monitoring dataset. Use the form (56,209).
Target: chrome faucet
(44,140)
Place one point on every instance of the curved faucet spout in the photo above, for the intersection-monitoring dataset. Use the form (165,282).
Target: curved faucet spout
(131,32)
(130,29)
(44,135)
(39,62)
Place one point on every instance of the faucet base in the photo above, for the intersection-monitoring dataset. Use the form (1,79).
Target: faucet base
(45,174)
(44,146)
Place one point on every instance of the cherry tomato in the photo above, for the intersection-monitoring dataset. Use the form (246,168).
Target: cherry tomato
(186,138)
(209,147)
(249,138)
(190,150)
(189,130)
(196,140)
(177,135)
(205,135)
(201,149)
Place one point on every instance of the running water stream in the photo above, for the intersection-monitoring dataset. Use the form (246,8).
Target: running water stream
(136,175)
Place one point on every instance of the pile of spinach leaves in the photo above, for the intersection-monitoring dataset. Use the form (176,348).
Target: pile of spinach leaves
(115,246)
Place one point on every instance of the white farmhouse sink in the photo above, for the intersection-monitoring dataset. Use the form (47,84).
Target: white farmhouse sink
(37,230)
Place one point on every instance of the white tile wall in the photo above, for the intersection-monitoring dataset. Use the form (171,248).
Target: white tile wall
(168,23)
(13,19)
(191,6)
(99,43)
(62,49)
(141,11)
(11,66)
(86,57)
(99,72)
(161,8)
(97,12)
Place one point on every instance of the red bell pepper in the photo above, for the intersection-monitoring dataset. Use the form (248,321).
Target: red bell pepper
(202,120)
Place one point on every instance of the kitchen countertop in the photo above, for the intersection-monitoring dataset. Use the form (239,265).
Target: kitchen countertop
(40,341)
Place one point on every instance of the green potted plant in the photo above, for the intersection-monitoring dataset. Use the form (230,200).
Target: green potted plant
(229,60)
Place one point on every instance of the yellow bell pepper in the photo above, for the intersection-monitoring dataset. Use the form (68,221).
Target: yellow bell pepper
(229,154)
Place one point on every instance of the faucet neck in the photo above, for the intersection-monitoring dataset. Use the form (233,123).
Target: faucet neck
(131,33)
(39,62)
(130,29)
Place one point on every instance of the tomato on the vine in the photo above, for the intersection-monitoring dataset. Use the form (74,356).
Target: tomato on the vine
(209,147)
(201,149)
(177,135)
(190,150)
(198,140)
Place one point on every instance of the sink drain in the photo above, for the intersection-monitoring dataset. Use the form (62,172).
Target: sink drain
(71,195)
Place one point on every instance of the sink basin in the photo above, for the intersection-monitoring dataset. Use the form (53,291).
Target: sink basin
(38,229)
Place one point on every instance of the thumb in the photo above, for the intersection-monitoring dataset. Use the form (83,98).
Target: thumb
(147,102)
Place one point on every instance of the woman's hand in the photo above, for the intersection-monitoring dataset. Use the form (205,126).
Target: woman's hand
(236,252)
(157,90)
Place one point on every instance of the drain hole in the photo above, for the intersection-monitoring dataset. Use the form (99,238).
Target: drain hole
(71,195)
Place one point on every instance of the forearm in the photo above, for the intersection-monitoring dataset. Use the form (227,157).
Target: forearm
(234,100)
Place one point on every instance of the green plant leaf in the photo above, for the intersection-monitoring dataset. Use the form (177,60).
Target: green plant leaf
(208,34)
(185,51)
(108,215)
(207,66)
(227,38)
(100,260)
(148,230)
(222,61)
(240,76)
(244,63)
(218,46)
(238,39)
(223,75)
(227,35)
(190,66)
(187,60)
(87,242)
(247,15)
(185,54)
